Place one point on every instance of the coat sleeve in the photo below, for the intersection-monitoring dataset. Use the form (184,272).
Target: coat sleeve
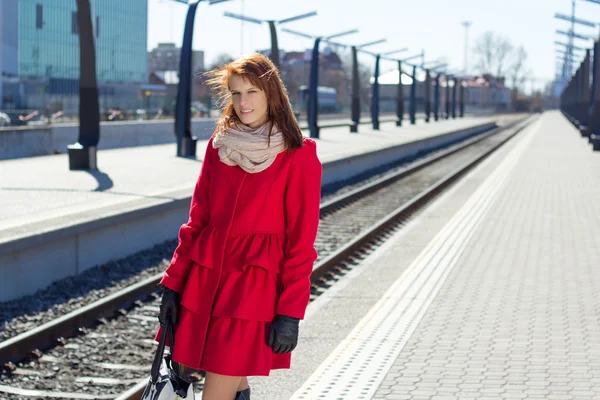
(177,272)
(302,205)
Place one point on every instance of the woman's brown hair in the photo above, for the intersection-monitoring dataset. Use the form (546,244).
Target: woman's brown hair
(262,73)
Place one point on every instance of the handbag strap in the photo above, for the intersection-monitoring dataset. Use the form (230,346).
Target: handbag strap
(160,351)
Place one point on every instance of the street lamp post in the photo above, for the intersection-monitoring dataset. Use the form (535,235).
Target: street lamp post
(454,87)
(400,87)
(313,101)
(461,99)
(582,109)
(466,24)
(356,83)
(567,67)
(355,92)
(355,107)
(413,96)
(375,87)
(82,155)
(272,29)
(186,144)
(427,95)
(594,106)
(448,79)
(412,108)
(400,97)
(436,98)
(375,96)
(436,90)
(591,108)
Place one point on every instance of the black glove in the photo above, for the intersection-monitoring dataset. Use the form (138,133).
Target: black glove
(169,306)
(283,336)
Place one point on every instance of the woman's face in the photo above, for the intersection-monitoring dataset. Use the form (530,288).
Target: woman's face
(249,102)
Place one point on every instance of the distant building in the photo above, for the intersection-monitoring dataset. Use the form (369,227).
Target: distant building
(39,60)
(166,56)
(163,69)
(388,90)
(327,58)
(295,72)
(485,92)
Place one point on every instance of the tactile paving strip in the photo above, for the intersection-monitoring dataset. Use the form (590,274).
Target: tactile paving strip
(355,369)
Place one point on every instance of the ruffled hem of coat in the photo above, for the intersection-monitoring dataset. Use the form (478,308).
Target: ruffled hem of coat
(238,347)
(263,249)
(232,346)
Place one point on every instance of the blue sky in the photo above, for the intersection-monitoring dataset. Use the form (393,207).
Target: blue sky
(433,25)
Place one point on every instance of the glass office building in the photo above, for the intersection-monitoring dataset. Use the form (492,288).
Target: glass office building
(46,45)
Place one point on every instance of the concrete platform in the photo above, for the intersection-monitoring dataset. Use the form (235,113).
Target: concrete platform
(491,293)
(56,223)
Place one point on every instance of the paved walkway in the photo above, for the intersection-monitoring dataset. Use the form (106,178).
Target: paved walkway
(503,301)
(38,188)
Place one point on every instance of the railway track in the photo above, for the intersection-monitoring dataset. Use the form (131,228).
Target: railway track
(116,353)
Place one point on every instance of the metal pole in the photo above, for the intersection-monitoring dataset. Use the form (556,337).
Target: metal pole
(454,98)
(574,94)
(355,92)
(274,46)
(447,99)
(577,94)
(1,53)
(461,101)
(313,100)
(186,144)
(400,97)
(594,126)
(427,95)
(375,97)
(585,96)
(413,96)
(436,98)
(570,47)
(593,73)
(466,24)
(568,97)
(591,107)
(82,155)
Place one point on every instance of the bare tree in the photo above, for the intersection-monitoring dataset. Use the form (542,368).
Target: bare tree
(503,49)
(484,53)
(364,76)
(491,51)
(517,72)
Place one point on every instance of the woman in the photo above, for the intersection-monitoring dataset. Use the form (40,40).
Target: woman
(239,280)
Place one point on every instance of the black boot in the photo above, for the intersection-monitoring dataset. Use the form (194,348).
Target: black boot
(243,395)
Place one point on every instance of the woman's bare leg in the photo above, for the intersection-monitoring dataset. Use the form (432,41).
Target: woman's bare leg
(243,384)
(220,387)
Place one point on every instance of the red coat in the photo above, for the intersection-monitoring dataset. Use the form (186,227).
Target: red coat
(247,250)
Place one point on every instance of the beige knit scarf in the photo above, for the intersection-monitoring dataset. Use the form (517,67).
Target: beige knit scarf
(247,147)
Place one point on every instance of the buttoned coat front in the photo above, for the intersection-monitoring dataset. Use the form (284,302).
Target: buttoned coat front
(246,254)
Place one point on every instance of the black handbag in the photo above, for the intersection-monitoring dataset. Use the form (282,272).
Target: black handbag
(164,382)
